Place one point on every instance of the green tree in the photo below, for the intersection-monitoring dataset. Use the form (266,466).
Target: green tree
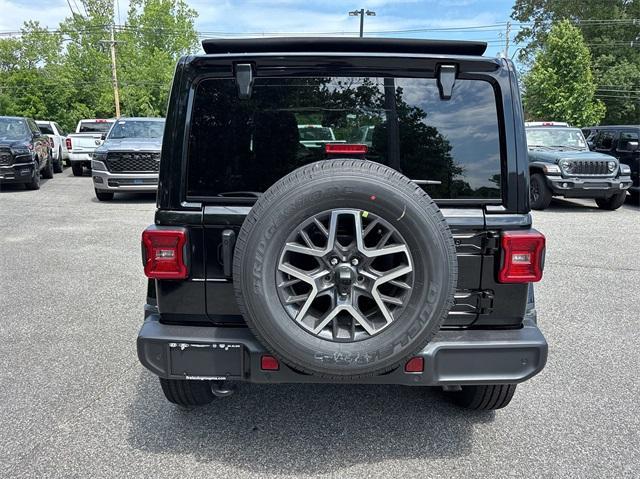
(560,84)
(611,33)
(65,74)
(157,33)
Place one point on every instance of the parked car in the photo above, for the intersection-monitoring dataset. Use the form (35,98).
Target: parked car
(88,136)
(315,136)
(268,266)
(129,158)
(59,146)
(561,164)
(25,153)
(620,141)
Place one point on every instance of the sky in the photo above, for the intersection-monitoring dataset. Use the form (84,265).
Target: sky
(445,19)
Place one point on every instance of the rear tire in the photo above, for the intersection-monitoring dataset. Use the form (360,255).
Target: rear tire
(77,169)
(104,195)
(613,202)
(187,393)
(539,193)
(48,170)
(57,165)
(483,398)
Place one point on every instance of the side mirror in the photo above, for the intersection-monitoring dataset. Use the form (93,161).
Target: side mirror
(632,145)
(591,145)
(103,136)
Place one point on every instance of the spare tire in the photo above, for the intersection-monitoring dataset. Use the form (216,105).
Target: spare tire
(344,268)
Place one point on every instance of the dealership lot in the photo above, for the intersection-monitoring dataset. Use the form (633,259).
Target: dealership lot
(74,401)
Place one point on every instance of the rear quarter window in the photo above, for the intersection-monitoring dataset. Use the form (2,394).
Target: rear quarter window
(243,146)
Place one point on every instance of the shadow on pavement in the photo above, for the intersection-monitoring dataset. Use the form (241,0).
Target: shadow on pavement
(561,205)
(304,429)
(128,198)
(19,187)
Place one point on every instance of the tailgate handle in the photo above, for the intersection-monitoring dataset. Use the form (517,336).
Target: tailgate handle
(228,243)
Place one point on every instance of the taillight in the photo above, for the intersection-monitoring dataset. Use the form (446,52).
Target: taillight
(345,149)
(522,256)
(164,253)
(68,143)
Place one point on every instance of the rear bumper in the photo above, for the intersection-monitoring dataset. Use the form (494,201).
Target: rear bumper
(576,187)
(451,358)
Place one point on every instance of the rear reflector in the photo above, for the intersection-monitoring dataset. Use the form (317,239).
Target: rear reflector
(523,256)
(414,365)
(164,253)
(345,149)
(269,363)
(68,143)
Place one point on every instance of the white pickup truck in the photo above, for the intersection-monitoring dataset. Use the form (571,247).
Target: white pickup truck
(59,147)
(88,136)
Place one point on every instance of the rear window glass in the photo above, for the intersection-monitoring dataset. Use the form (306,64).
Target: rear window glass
(625,138)
(46,129)
(95,126)
(241,147)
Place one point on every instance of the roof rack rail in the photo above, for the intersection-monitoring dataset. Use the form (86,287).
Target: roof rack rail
(342,44)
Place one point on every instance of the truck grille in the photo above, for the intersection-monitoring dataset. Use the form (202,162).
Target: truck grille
(589,168)
(133,162)
(6,158)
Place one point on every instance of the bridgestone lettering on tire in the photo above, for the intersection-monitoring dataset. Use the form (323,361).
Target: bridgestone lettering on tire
(345,268)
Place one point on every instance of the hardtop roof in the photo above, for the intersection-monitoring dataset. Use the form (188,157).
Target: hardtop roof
(342,45)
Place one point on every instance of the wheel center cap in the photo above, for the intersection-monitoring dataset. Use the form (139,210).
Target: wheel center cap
(344,279)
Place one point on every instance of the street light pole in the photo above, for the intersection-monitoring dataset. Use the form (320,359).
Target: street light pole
(361,13)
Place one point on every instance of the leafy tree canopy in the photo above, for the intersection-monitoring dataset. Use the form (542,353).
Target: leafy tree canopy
(560,84)
(65,75)
(611,31)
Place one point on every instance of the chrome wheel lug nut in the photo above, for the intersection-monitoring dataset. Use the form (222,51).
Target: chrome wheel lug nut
(355,262)
(333,261)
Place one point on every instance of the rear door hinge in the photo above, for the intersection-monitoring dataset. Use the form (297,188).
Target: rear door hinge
(485,302)
(490,243)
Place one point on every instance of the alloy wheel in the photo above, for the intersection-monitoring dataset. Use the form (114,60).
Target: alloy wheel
(344,275)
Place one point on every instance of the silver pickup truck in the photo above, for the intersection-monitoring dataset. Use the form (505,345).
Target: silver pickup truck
(129,159)
(88,136)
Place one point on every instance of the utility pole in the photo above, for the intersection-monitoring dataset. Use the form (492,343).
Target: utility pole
(361,13)
(506,46)
(114,74)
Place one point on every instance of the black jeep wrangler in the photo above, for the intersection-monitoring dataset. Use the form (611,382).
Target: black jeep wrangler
(405,260)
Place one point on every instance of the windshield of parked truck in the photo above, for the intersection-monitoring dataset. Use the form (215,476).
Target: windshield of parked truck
(97,126)
(13,129)
(137,129)
(451,147)
(556,138)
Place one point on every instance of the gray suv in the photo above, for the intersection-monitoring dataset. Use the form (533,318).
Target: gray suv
(129,159)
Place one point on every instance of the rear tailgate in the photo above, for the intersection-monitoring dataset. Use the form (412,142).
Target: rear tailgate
(467,226)
(85,142)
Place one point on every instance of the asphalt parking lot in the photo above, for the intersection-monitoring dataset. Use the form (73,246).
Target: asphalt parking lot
(75,402)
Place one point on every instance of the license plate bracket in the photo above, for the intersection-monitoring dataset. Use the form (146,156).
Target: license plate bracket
(215,361)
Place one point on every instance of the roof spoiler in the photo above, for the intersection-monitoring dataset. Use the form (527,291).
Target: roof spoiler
(342,44)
